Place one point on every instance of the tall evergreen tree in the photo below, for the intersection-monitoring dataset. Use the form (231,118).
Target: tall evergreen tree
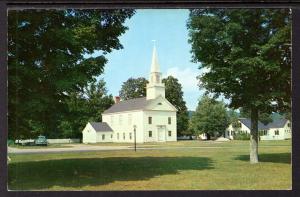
(46,61)
(248,57)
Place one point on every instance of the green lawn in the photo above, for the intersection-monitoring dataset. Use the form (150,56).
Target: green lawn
(215,166)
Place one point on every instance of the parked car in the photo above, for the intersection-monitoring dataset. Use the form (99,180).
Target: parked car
(41,140)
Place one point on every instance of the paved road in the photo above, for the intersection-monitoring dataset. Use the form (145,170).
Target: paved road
(88,148)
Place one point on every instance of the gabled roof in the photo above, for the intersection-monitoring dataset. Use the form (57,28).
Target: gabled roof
(247,123)
(133,104)
(100,126)
(279,123)
(128,105)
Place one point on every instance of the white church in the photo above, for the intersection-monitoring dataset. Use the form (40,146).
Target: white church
(148,119)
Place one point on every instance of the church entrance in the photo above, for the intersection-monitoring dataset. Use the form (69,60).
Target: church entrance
(161,132)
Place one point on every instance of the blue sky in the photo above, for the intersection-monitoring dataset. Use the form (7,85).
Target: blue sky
(168,28)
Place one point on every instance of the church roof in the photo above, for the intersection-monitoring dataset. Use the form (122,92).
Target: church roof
(128,105)
(101,126)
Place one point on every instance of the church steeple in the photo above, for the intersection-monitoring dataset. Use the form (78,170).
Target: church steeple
(155,87)
(154,63)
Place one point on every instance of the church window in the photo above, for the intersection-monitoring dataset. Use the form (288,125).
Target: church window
(130,136)
(169,120)
(111,136)
(159,104)
(157,78)
(150,133)
(103,137)
(170,133)
(123,136)
(149,120)
(289,124)
(276,132)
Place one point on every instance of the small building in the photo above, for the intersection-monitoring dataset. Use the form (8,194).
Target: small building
(279,129)
(147,119)
(95,132)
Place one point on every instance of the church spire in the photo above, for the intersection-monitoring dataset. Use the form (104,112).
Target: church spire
(154,63)
(155,87)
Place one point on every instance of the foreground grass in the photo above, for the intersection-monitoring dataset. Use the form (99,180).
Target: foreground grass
(168,169)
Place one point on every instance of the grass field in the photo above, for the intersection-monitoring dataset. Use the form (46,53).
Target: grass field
(214,166)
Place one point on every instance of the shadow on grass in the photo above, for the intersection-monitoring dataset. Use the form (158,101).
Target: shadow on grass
(273,158)
(81,172)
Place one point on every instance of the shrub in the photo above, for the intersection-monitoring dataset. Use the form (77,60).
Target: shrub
(241,136)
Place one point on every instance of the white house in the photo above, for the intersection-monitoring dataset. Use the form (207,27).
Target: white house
(147,119)
(279,129)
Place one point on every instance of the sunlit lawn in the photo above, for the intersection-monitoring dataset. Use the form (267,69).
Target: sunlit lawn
(215,166)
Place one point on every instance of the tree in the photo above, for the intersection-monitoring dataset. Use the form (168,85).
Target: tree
(85,106)
(98,100)
(46,61)
(265,118)
(133,88)
(210,117)
(248,57)
(174,95)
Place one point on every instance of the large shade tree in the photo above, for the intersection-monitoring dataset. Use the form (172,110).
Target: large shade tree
(210,117)
(133,88)
(47,60)
(248,57)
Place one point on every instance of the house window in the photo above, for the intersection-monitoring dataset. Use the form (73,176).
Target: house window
(169,120)
(276,132)
(130,135)
(111,136)
(123,136)
(150,133)
(289,124)
(118,136)
(149,120)
(129,119)
(169,133)
(159,104)
(265,132)
(103,137)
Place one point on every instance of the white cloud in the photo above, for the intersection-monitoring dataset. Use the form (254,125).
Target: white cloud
(186,77)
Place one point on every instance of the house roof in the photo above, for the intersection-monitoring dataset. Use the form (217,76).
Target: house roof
(129,105)
(247,123)
(100,126)
(279,123)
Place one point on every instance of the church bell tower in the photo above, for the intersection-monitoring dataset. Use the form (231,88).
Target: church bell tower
(155,87)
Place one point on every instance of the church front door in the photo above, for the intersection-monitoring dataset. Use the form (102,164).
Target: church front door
(161,131)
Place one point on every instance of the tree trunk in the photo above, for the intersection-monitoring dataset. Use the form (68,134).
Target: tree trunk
(207,136)
(254,136)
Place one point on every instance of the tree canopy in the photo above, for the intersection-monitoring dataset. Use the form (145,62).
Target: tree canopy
(47,61)
(210,117)
(174,95)
(133,88)
(247,53)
